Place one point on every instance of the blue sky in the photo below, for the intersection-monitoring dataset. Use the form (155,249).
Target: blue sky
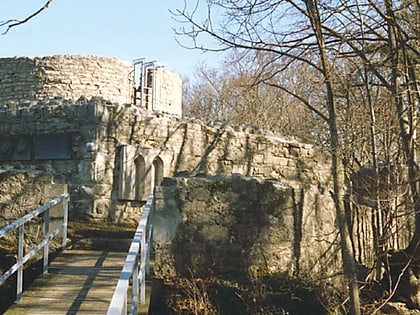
(125,29)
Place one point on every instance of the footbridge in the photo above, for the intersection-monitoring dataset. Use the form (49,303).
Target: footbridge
(79,281)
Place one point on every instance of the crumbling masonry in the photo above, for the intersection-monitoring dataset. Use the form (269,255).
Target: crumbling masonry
(112,131)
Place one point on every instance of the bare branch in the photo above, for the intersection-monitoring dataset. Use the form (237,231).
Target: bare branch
(15,22)
(300,98)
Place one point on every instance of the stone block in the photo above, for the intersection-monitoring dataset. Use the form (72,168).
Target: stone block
(258,159)
(101,206)
(215,234)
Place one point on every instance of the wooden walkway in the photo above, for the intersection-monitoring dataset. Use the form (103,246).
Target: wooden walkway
(78,282)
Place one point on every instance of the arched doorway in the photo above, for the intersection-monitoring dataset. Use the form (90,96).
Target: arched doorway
(158,171)
(140,177)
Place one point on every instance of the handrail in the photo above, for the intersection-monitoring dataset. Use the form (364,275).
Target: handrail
(48,236)
(141,243)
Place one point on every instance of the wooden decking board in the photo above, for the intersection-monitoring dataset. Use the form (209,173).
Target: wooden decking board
(78,282)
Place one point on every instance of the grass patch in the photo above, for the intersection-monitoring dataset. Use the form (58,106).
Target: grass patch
(82,229)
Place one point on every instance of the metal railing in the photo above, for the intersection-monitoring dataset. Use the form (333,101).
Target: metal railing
(48,236)
(133,269)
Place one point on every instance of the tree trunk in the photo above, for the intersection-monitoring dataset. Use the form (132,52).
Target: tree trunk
(349,264)
(407,262)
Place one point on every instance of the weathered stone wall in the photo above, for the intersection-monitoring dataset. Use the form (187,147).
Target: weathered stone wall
(114,151)
(239,226)
(188,146)
(75,122)
(24,79)
(21,193)
(198,148)
(99,132)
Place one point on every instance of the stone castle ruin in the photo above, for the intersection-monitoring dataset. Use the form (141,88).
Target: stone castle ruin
(26,81)
(112,131)
(57,112)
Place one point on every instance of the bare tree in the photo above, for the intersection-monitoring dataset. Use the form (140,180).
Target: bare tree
(255,26)
(231,92)
(381,36)
(384,37)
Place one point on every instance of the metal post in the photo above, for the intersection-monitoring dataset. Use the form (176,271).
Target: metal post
(142,86)
(139,64)
(142,269)
(47,239)
(153,86)
(149,245)
(65,221)
(147,95)
(135,285)
(19,288)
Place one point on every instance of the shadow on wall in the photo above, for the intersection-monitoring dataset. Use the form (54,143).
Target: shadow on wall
(138,171)
(21,193)
(229,226)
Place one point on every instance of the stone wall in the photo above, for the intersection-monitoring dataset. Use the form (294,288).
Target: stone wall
(238,226)
(188,146)
(24,79)
(32,141)
(112,155)
(21,193)
(99,132)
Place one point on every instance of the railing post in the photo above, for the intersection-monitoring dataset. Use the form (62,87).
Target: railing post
(19,286)
(20,225)
(47,239)
(65,221)
(135,279)
(149,246)
(143,268)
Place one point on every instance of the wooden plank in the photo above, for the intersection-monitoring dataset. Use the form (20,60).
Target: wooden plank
(78,282)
